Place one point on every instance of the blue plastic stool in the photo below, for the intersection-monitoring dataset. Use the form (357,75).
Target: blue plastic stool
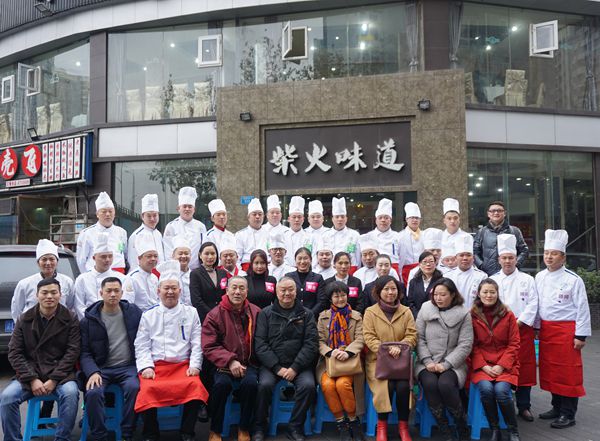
(371,413)
(113,415)
(281,410)
(322,412)
(233,411)
(424,418)
(34,420)
(476,416)
(169,418)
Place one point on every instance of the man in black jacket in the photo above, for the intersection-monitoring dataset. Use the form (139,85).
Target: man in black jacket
(286,344)
(108,330)
(485,245)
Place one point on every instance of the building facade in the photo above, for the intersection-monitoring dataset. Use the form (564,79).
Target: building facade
(411,100)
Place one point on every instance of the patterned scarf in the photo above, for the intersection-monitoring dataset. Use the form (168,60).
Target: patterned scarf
(339,337)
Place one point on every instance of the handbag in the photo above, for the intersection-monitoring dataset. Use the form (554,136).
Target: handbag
(390,368)
(336,368)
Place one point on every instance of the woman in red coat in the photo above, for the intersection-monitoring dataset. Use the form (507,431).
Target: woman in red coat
(495,357)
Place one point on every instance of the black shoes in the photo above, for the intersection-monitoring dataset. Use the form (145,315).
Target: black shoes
(526,415)
(562,422)
(344,431)
(259,435)
(356,430)
(203,413)
(187,437)
(294,434)
(552,414)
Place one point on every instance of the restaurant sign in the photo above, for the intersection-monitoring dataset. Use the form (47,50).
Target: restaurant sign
(362,155)
(47,163)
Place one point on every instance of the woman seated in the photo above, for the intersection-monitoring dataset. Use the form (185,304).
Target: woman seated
(261,286)
(419,288)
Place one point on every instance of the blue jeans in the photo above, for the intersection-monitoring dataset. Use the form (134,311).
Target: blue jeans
(15,394)
(498,391)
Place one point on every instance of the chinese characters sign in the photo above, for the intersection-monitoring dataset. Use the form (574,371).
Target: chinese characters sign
(45,164)
(363,155)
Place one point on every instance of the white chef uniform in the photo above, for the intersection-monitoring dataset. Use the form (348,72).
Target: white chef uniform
(149,203)
(278,241)
(249,239)
(345,239)
(468,281)
(141,287)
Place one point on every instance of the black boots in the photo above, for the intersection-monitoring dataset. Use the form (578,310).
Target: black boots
(356,430)
(344,431)
(491,413)
(460,419)
(442,422)
(510,417)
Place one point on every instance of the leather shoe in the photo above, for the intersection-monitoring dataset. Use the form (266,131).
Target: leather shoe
(259,435)
(562,422)
(552,414)
(294,434)
(203,413)
(187,437)
(526,415)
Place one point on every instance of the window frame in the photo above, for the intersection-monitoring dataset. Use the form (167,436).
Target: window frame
(545,52)
(212,63)
(287,42)
(11,97)
(34,73)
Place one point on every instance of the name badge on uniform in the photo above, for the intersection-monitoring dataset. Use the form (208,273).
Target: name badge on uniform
(353,291)
(224,283)
(270,287)
(311,286)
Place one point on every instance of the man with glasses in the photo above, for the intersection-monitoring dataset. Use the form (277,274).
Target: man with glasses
(485,246)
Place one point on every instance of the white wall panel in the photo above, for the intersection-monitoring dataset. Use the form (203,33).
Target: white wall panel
(486,126)
(529,128)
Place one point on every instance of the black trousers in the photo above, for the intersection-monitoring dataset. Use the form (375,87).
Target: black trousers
(246,395)
(441,389)
(566,406)
(304,383)
(188,421)
(402,389)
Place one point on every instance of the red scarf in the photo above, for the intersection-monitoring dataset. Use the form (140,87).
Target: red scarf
(226,304)
(339,337)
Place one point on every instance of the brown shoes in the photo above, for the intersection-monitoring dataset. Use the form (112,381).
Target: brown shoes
(243,435)
(213,436)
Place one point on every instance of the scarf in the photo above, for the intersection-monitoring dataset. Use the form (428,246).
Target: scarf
(389,310)
(245,318)
(339,337)
(415,234)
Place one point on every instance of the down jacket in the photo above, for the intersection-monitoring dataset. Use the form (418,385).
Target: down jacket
(485,247)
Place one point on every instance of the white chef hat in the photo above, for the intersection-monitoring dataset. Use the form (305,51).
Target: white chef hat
(101,244)
(215,206)
(227,242)
(273,202)
(451,205)
(507,244)
(44,247)
(448,250)
(411,210)
(325,243)
(150,203)
(556,240)
(384,208)
(187,196)
(463,244)
(315,207)
(169,270)
(338,206)
(365,242)
(432,239)
(255,205)
(276,240)
(103,201)
(296,205)
(144,242)
(180,241)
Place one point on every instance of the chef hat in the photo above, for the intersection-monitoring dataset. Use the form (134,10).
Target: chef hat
(297,205)
(101,244)
(338,206)
(227,242)
(315,207)
(384,208)
(169,270)
(144,242)
(255,205)
(463,244)
(276,240)
(187,196)
(44,247)
(103,201)
(150,203)
(215,206)
(325,243)
(448,250)
(556,240)
(451,205)
(365,242)
(507,244)
(180,241)
(411,210)
(273,202)
(432,239)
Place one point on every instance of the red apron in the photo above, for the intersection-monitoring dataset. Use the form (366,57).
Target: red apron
(119,270)
(406,271)
(396,266)
(561,367)
(170,387)
(528,369)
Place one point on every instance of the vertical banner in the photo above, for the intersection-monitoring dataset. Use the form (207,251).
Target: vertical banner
(63,160)
(50,162)
(45,162)
(57,161)
(70,159)
(77,158)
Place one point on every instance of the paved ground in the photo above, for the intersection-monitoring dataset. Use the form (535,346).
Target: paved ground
(588,415)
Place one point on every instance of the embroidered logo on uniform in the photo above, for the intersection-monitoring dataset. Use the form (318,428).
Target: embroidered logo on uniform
(351,248)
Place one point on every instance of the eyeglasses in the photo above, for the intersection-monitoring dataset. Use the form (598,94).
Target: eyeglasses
(496,210)
(428,262)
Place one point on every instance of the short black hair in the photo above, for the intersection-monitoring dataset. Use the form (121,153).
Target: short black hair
(303,250)
(339,255)
(380,283)
(111,280)
(336,286)
(48,281)
(496,203)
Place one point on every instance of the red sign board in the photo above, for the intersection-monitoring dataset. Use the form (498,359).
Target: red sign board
(31,160)
(8,164)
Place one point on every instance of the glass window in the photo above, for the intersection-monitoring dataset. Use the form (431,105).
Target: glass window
(494,52)
(541,190)
(63,101)
(135,179)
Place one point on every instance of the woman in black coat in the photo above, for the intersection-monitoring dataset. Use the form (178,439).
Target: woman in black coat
(342,262)
(207,283)
(419,288)
(310,286)
(261,286)
(383,267)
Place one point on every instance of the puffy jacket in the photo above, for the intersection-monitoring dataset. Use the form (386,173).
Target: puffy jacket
(283,340)
(94,338)
(485,247)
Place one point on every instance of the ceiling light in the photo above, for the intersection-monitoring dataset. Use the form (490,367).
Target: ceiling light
(312,48)
(514,28)
(470,175)
(337,38)
(43,7)
(488,48)
(470,193)
(172,44)
(333,69)
(519,179)
(478,184)
(364,27)
(477,38)
(480,178)
(78,63)
(145,68)
(500,190)
(362,45)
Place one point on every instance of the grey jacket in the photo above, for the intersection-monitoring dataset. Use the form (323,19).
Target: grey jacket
(485,246)
(444,337)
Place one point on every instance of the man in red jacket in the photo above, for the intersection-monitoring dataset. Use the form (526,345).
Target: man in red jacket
(227,334)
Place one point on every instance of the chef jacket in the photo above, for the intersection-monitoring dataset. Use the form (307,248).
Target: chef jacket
(367,275)
(141,288)
(279,271)
(467,282)
(410,249)
(216,236)
(87,239)
(87,288)
(518,292)
(387,242)
(295,240)
(346,240)
(325,273)
(132,255)
(194,231)
(25,294)
(248,239)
